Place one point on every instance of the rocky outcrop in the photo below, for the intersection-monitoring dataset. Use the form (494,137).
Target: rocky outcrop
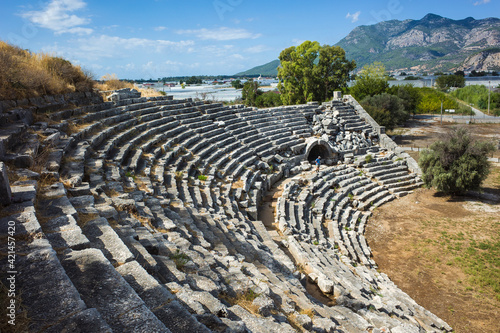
(482,61)
(410,42)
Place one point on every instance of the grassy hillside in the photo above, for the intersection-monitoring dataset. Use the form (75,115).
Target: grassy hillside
(24,74)
(269,69)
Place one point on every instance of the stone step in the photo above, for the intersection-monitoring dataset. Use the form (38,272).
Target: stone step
(159,300)
(42,281)
(103,288)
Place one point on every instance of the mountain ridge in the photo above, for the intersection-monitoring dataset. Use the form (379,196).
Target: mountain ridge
(433,43)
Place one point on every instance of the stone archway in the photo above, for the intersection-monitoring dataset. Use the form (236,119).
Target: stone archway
(318,147)
(316,151)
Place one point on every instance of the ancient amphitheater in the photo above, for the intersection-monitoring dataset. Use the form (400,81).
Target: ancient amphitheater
(142,215)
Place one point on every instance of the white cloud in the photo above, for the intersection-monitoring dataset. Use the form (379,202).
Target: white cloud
(256,49)
(355,17)
(56,16)
(160,28)
(216,51)
(222,33)
(481,2)
(104,46)
(107,45)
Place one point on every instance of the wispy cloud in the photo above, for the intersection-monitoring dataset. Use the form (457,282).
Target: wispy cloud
(355,17)
(104,46)
(481,2)
(160,28)
(256,49)
(56,17)
(222,33)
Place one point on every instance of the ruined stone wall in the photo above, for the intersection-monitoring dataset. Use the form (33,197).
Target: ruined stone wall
(385,140)
(51,102)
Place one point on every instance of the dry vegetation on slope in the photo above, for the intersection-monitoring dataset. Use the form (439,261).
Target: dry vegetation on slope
(24,74)
(111,82)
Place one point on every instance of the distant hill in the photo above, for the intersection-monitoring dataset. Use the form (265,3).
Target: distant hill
(434,43)
(269,69)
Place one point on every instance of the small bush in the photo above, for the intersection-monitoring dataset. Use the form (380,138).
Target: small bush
(387,110)
(457,163)
(368,158)
(179,175)
(180,259)
(202,178)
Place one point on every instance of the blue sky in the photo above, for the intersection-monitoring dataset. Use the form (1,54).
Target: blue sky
(157,38)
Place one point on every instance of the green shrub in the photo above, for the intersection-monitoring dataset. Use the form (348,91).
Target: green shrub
(456,164)
(180,259)
(202,177)
(368,158)
(431,101)
(387,110)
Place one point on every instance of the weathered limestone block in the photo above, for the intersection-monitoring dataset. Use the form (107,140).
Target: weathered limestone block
(23,193)
(103,288)
(45,286)
(160,300)
(305,321)
(86,321)
(324,325)
(325,285)
(102,236)
(264,304)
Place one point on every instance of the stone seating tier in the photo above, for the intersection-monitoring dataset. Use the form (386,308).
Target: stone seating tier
(135,241)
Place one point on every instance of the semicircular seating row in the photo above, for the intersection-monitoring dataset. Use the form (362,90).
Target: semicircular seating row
(149,226)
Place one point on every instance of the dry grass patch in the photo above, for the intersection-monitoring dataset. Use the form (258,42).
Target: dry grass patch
(67,183)
(40,158)
(22,321)
(83,219)
(112,82)
(47,179)
(244,299)
(238,184)
(74,128)
(15,177)
(142,185)
(24,74)
(308,312)
(112,193)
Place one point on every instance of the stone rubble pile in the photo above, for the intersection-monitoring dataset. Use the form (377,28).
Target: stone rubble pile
(142,215)
(344,130)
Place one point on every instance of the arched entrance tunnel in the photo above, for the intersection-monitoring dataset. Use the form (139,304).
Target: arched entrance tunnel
(319,150)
